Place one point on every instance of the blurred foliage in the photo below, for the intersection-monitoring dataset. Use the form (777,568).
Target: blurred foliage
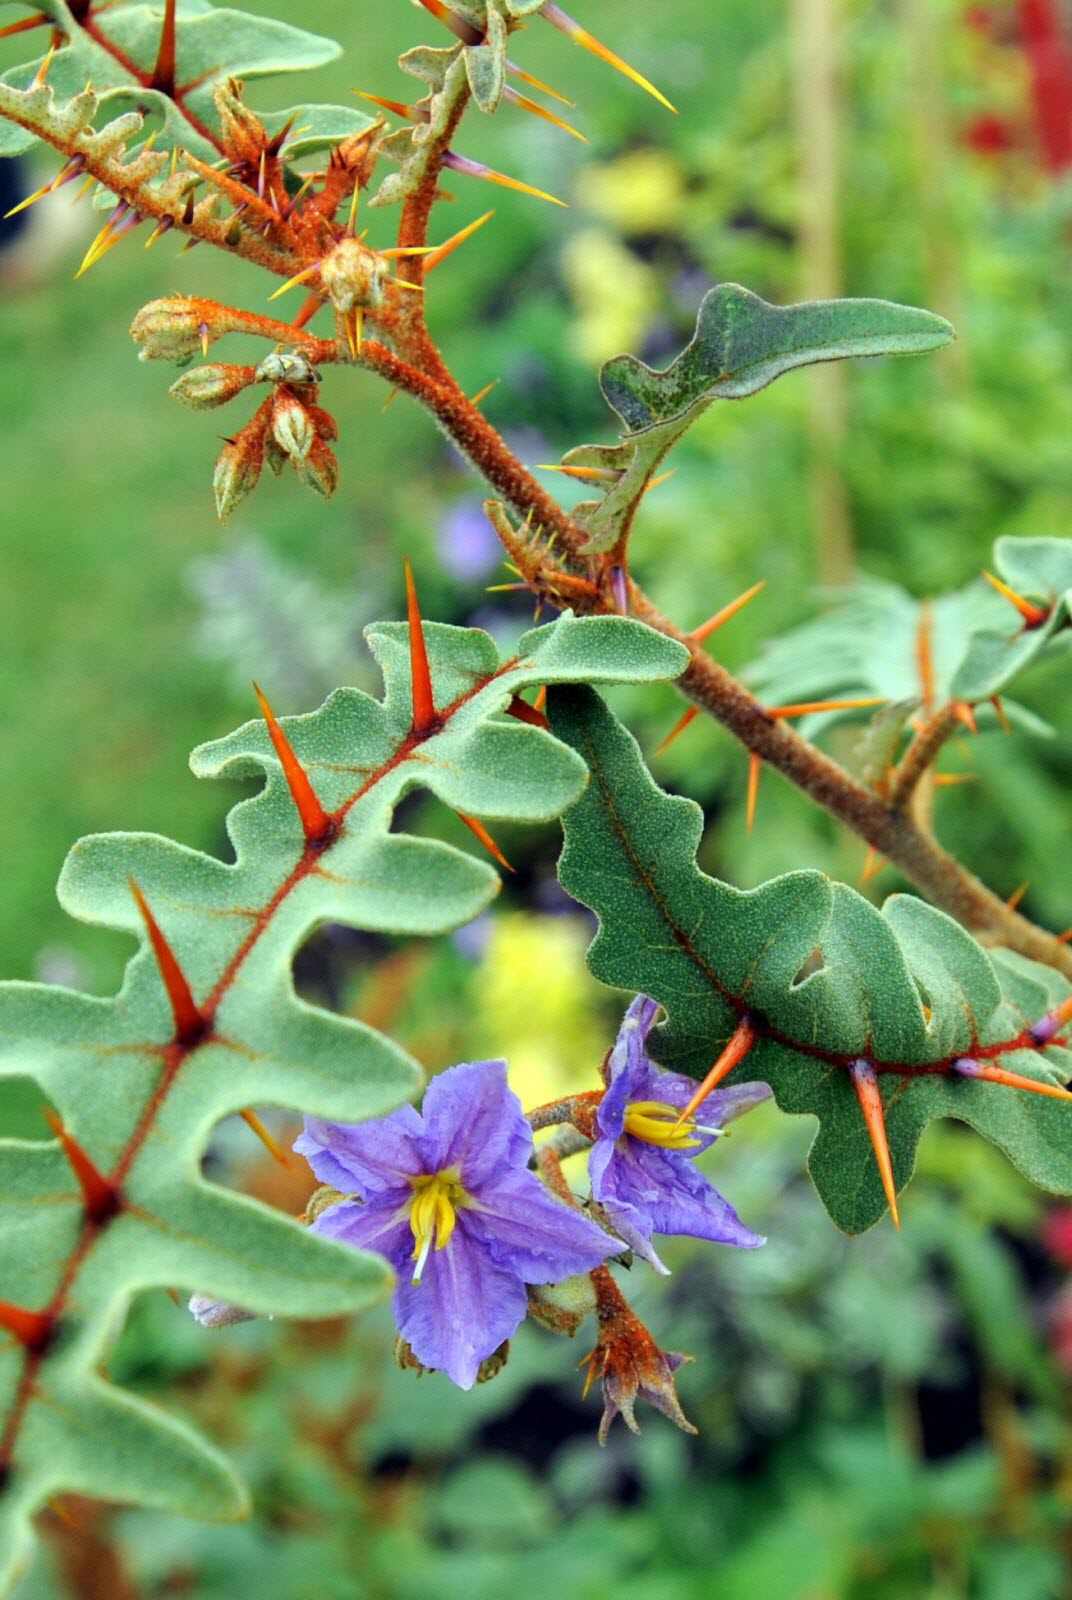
(881,1419)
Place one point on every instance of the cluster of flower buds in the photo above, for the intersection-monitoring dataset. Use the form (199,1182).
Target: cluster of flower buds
(288,426)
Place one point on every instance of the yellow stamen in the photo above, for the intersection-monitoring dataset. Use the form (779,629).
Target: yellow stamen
(657,1123)
(437,1198)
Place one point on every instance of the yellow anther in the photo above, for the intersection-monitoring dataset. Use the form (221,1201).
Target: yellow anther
(433,1213)
(657,1123)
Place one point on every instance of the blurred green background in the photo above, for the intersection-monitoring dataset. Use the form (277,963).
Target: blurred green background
(885,1417)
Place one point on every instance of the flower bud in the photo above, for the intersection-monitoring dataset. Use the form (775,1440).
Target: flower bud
(353,275)
(211,385)
(292,427)
(320,469)
(240,461)
(562,1307)
(176,329)
(324,423)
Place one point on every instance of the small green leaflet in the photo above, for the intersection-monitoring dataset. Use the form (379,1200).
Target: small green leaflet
(740,345)
(819,967)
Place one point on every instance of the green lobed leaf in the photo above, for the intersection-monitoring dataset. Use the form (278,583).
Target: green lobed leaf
(741,344)
(211,44)
(138,1106)
(827,976)
(869,642)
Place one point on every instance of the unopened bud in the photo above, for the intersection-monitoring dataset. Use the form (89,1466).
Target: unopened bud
(324,423)
(320,469)
(175,329)
(274,457)
(211,385)
(292,427)
(562,1307)
(239,464)
(353,275)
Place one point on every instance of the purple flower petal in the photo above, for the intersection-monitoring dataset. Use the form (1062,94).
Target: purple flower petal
(674,1197)
(630,1069)
(524,1228)
(369,1227)
(465,1305)
(474,1121)
(365,1158)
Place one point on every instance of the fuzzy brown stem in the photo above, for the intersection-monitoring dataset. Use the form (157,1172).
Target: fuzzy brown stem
(921,756)
(894,834)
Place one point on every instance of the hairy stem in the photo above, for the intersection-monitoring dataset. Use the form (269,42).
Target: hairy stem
(898,836)
(921,756)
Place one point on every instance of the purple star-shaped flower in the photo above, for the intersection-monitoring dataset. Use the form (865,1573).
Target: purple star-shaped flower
(447,1196)
(641,1162)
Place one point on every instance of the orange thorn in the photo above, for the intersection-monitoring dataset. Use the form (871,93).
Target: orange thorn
(804,707)
(98,1193)
(541,699)
(486,840)
(965,714)
(477,169)
(26,24)
(873,865)
(353,322)
(424,713)
(525,713)
(523,102)
(706,629)
(865,1082)
(679,727)
(558,19)
(755,766)
(42,71)
(950,780)
(392,396)
(312,305)
(664,477)
(970,1068)
(398,107)
(526,77)
(163,77)
(1034,616)
(251,1119)
(189,1023)
(457,25)
(442,251)
(1017,895)
(1063,938)
(299,277)
(314,819)
(484,392)
(30,1328)
(585,474)
(732,1054)
(995,701)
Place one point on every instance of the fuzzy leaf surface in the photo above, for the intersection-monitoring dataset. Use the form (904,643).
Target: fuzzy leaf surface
(116,50)
(827,976)
(143,1107)
(741,344)
(872,640)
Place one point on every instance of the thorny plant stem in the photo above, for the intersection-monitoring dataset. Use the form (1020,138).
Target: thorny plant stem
(921,756)
(888,829)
